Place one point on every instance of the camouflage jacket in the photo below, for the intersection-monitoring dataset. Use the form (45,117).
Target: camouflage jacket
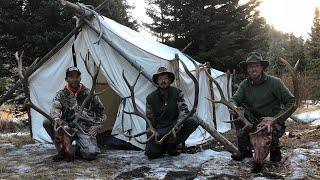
(66,103)
(165,108)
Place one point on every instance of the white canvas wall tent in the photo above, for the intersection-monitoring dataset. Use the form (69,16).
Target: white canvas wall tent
(143,52)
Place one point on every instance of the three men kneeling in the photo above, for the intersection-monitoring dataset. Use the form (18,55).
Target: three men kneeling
(263,96)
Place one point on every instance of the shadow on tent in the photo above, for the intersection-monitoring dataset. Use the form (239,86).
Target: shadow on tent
(111,101)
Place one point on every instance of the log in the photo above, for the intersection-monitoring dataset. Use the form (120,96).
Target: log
(54,50)
(214,133)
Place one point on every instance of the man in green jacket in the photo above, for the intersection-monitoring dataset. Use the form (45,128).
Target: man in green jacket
(263,97)
(164,108)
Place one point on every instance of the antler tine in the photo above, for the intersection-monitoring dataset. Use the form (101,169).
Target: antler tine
(19,61)
(91,94)
(135,82)
(86,64)
(126,80)
(140,134)
(247,124)
(223,98)
(196,87)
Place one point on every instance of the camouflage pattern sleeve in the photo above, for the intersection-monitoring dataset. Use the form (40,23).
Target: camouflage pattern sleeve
(99,110)
(149,112)
(56,107)
(182,106)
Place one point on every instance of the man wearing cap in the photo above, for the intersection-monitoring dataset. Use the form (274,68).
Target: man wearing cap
(164,108)
(66,102)
(263,97)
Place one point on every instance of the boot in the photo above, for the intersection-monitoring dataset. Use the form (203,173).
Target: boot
(275,154)
(58,157)
(172,150)
(240,156)
(256,168)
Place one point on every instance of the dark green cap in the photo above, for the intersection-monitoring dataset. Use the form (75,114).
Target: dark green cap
(254,57)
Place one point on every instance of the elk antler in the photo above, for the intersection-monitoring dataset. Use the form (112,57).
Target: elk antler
(137,112)
(151,128)
(283,116)
(247,125)
(21,73)
(89,97)
(193,109)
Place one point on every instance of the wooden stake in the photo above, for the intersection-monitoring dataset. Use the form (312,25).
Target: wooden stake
(207,66)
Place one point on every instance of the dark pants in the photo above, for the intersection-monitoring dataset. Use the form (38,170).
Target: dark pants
(244,144)
(154,149)
(87,145)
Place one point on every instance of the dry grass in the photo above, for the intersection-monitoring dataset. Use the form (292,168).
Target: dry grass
(8,120)
(305,109)
(9,126)
(17,140)
(300,135)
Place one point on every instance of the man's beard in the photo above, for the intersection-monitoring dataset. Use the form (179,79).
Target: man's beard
(163,86)
(74,83)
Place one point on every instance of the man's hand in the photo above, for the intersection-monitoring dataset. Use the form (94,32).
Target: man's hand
(57,121)
(233,112)
(266,122)
(93,131)
(178,128)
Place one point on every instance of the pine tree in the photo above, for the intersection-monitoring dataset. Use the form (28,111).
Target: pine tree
(314,53)
(223,31)
(36,26)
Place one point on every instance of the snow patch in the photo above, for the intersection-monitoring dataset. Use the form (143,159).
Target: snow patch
(14,134)
(310,116)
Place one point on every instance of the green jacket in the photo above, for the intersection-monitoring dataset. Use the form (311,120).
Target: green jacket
(267,98)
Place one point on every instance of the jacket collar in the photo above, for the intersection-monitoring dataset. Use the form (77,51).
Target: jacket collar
(70,90)
(264,77)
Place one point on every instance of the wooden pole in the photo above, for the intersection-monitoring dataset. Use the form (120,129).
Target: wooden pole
(207,66)
(214,133)
(45,58)
(176,70)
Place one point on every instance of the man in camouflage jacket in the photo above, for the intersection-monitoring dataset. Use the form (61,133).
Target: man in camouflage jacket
(65,104)
(165,107)
(263,97)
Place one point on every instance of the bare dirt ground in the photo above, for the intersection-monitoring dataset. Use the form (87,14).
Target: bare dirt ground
(21,159)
